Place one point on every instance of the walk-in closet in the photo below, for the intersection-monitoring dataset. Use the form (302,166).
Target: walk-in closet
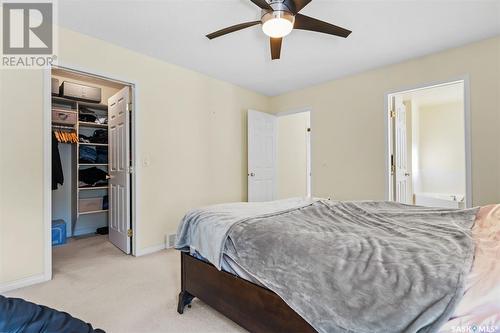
(91,158)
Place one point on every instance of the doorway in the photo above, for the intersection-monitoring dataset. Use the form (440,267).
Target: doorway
(428,146)
(93,149)
(279,155)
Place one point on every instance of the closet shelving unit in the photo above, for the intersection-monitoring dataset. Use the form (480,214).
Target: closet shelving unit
(84,192)
(89,124)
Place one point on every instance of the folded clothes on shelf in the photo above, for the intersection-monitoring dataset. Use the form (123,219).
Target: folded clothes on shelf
(98,184)
(92,177)
(87,117)
(88,154)
(99,136)
(101,120)
(92,116)
(102,155)
(93,154)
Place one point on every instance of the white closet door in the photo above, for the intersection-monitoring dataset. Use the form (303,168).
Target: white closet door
(261,156)
(119,169)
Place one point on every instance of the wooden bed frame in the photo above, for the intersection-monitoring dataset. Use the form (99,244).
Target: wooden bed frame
(253,307)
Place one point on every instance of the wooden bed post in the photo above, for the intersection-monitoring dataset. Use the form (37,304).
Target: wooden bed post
(185,298)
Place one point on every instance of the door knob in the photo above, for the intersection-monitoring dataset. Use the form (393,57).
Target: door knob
(251,174)
(407,174)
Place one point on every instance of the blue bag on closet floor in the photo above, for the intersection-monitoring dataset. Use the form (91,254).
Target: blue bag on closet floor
(58,232)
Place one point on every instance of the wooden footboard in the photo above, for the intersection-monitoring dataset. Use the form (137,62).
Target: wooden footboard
(251,306)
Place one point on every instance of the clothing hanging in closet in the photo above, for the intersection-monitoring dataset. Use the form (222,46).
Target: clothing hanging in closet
(57,171)
(64,135)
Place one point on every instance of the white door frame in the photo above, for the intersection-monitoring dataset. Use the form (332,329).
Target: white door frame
(47,157)
(388,133)
(308,144)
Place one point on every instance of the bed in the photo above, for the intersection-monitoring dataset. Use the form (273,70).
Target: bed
(239,258)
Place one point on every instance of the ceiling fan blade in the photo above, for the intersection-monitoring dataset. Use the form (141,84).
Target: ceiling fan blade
(296,5)
(276,48)
(303,22)
(262,4)
(233,28)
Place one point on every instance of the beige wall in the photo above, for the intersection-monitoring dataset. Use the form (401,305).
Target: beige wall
(191,128)
(291,155)
(21,184)
(348,143)
(441,156)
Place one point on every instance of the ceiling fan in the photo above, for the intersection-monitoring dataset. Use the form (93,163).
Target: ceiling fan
(279,18)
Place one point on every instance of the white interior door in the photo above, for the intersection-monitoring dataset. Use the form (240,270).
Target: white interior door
(261,156)
(119,169)
(402,175)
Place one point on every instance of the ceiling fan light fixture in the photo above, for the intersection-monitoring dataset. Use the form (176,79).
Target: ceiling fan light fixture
(278,18)
(277,24)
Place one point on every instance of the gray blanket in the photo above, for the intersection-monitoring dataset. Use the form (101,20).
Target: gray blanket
(360,267)
(204,230)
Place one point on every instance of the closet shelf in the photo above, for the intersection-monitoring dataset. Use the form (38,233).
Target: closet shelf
(93,212)
(93,164)
(92,144)
(102,107)
(93,188)
(63,99)
(89,124)
(64,110)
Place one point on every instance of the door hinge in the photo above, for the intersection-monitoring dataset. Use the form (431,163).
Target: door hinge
(130,232)
(131,169)
(393,114)
(393,166)
(129,107)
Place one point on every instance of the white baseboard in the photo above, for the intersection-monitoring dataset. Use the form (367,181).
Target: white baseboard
(151,249)
(9,286)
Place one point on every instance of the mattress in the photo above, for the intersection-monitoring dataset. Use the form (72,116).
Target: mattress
(479,309)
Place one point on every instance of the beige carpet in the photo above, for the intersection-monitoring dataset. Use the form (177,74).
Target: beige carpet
(97,283)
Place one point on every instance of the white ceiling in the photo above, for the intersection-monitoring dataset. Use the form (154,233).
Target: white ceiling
(384,32)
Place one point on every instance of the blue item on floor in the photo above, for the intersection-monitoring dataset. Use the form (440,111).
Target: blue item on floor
(58,232)
(18,315)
